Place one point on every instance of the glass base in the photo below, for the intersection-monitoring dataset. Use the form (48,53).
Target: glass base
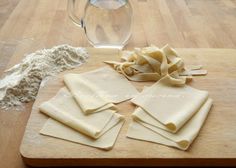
(108,46)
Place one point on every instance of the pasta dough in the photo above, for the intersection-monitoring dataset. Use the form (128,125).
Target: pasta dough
(87,95)
(170,105)
(152,64)
(94,91)
(182,139)
(56,129)
(139,115)
(64,108)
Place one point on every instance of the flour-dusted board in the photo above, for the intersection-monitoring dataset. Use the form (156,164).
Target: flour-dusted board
(215,145)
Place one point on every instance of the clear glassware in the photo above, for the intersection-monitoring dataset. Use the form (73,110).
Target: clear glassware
(106,23)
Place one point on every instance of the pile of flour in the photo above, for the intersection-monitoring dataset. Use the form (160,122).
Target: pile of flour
(21,82)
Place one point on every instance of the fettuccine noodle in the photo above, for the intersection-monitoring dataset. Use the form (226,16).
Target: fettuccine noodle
(153,63)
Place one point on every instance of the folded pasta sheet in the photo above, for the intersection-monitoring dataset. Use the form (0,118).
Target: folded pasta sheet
(107,140)
(181,139)
(64,109)
(98,90)
(169,105)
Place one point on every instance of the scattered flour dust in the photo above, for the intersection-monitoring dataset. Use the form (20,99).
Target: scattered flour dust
(21,82)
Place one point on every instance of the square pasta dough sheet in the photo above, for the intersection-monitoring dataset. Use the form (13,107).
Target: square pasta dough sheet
(181,139)
(56,129)
(172,106)
(64,109)
(100,88)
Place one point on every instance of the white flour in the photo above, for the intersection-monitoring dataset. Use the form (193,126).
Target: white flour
(21,82)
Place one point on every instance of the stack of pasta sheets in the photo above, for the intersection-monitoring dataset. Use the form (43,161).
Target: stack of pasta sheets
(84,111)
(169,114)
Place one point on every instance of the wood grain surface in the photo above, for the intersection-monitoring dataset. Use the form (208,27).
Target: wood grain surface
(29,25)
(218,134)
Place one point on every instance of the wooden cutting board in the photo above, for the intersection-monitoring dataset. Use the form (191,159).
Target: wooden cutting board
(215,145)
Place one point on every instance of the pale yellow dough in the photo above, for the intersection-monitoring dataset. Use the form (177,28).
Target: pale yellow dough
(64,109)
(182,139)
(172,106)
(152,64)
(106,141)
(140,115)
(99,89)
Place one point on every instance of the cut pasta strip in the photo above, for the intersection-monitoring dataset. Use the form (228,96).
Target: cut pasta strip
(152,64)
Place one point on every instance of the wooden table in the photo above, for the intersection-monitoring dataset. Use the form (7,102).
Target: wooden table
(30,25)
